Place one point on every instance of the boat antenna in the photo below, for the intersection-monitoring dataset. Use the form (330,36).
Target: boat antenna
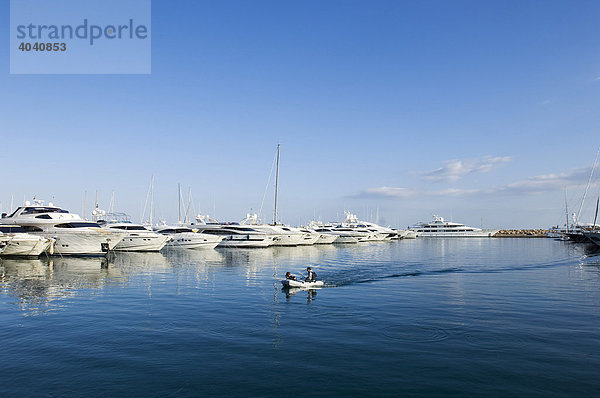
(276,187)
(151,198)
(596,216)
(187,212)
(588,184)
(111,208)
(178,204)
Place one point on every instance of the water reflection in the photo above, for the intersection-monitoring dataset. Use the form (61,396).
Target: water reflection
(37,283)
(290,291)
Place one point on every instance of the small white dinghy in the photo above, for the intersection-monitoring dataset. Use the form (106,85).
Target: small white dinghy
(301,283)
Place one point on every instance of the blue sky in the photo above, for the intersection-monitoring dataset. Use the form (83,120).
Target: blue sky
(480,111)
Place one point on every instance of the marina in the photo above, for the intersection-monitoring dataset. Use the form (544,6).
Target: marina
(308,199)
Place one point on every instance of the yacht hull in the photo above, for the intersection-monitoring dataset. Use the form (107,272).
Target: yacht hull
(192,240)
(142,243)
(84,243)
(325,239)
(346,239)
(27,245)
(482,234)
(245,241)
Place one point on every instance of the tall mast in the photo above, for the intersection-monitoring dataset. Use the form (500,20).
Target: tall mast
(596,216)
(276,187)
(187,210)
(178,204)
(566,210)
(151,198)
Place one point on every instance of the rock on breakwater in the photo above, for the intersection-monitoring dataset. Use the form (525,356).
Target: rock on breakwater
(521,233)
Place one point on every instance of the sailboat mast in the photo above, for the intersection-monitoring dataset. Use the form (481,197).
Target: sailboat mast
(276,187)
(566,210)
(151,198)
(178,204)
(596,216)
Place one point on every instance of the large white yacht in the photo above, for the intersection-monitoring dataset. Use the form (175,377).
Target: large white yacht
(319,238)
(19,243)
(375,232)
(139,238)
(349,236)
(185,238)
(282,235)
(234,235)
(440,228)
(72,234)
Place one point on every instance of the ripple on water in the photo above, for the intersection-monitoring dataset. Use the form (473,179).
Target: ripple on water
(416,333)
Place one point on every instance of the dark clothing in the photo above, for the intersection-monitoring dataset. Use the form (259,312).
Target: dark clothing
(292,277)
(311,277)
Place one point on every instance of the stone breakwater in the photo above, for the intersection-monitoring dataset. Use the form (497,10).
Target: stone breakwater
(521,233)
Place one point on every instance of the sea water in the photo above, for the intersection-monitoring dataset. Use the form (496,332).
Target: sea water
(426,317)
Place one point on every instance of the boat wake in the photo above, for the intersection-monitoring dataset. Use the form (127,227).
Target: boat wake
(360,275)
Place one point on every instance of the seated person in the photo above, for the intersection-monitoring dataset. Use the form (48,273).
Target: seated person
(289,276)
(311,277)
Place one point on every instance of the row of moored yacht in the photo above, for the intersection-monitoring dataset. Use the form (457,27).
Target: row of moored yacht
(35,229)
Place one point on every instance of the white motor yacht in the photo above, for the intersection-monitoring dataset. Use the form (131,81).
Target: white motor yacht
(139,238)
(186,238)
(20,243)
(234,235)
(439,228)
(377,232)
(328,229)
(320,238)
(72,234)
(282,235)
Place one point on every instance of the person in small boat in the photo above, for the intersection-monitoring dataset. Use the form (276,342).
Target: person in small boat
(288,275)
(311,277)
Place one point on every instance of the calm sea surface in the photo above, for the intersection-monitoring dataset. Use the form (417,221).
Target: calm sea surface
(425,317)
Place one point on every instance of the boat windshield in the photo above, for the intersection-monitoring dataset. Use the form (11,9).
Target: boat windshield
(42,209)
(129,227)
(77,225)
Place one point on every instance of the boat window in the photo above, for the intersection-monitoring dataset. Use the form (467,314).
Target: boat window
(15,212)
(217,232)
(31,228)
(9,229)
(135,228)
(44,216)
(77,225)
(38,210)
(180,230)
(167,231)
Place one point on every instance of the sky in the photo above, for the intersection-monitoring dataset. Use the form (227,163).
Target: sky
(483,112)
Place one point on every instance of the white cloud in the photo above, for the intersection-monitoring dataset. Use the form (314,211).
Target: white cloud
(575,178)
(547,182)
(455,169)
(403,193)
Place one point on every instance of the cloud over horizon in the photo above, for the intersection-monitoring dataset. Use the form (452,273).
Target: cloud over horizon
(455,169)
(575,178)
